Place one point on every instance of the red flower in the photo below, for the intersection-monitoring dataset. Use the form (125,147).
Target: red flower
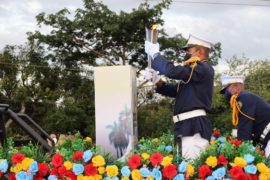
(90,170)
(253,176)
(77,156)
(57,160)
(71,175)
(228,138)
(169,171)
(236,171)
(17,158)
(1,174)
(62,171)
(204,171)
(216,133)
(38,177)
(54,171)
(43,169)
(236,142)
(222,160)
(134,161)
(156,159)
(12,176)
(242,176)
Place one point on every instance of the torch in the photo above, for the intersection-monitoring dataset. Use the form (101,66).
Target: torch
(151,36)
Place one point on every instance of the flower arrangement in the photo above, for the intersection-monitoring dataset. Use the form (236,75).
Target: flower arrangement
(27,168)
(231,158)
(225,158)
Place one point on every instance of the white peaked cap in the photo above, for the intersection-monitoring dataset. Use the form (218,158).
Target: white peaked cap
(227,80)
(194,41)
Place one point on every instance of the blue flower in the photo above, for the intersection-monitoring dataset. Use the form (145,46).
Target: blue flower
(249,158)
(87,155)
(125,171)
(34,167)
(22,175)
(78,169)
(168,148)
(251,169)
(115,178)
(156,174)
(210,178)
(144,172)
(213,138)
(4,166)
(179,177)
(52,177)
(219,173)
(182,167)
(222,139)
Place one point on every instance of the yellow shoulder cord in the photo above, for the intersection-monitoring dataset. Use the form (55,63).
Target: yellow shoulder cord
(236,109)
(193,63)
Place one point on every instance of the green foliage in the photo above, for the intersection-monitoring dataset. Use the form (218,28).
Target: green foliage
(69,118)
(31,150)
(155,118)
(71,143)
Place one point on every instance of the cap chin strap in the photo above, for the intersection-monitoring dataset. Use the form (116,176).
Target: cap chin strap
(236,109)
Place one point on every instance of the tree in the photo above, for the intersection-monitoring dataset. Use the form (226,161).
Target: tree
(97,32)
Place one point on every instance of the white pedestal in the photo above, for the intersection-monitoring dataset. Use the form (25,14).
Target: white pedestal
(116,109)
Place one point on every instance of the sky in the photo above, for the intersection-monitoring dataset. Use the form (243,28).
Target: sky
(242,27)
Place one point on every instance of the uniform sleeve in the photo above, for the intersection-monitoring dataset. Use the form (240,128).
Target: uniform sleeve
(167,90)
(245,125)
(168,69)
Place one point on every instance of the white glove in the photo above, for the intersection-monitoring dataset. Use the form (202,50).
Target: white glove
(151,75)
(151,49)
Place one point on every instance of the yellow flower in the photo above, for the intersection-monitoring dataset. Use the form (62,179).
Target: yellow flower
(150,178)
(145,156)
(135,174)
(80,177)
(98,161)
(190,170)
(211,161)
(124,178)
(166,161)
(212,142)
(101,170)
(171,156)
(155,140)
(97,177)
(26,162)
(88,139)
(263,177)
(238,161)
(112,170)
(68,165)
(1,160)
(262,168)
(17,168)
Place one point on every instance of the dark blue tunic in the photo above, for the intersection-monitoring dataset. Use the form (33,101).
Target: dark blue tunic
(197,94)
(256,107)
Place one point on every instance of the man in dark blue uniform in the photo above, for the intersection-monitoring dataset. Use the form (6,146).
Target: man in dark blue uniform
(251,114)
(193,93)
